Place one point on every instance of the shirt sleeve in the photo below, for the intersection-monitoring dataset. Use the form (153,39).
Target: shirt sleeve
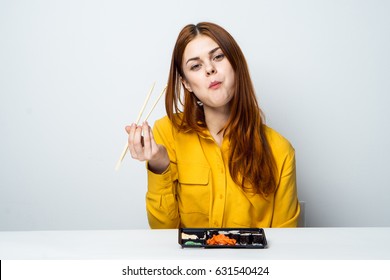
(161,202)
(286,207)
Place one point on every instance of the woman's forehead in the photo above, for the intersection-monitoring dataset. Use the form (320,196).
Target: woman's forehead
(201,45)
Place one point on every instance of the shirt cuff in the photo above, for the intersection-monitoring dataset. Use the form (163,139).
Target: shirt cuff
(160,183)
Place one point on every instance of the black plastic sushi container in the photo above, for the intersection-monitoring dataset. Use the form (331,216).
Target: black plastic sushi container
(251,238)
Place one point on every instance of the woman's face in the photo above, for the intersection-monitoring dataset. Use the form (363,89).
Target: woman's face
(208,73)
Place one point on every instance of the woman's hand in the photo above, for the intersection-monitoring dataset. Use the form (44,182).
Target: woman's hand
(143,147)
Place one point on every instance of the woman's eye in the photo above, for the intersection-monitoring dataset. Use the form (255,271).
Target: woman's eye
(219,57)
(195,67)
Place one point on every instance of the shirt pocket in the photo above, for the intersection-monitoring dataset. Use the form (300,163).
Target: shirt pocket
(194,188)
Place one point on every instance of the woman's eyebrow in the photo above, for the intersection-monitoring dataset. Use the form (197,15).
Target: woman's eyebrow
(197,58)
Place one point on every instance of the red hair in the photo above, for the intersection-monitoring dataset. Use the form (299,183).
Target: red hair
(251,163)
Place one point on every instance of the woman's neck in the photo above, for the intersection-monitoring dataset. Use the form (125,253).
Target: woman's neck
(216,119)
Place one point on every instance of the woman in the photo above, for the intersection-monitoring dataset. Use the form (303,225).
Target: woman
(212,162)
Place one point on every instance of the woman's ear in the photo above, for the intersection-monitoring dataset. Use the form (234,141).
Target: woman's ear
(186,84)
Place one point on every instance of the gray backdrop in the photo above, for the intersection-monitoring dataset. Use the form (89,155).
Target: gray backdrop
(74,73)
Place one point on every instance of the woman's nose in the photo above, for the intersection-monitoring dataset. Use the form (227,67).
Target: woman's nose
(210,70)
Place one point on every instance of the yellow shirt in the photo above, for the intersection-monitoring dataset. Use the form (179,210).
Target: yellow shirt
(197,190)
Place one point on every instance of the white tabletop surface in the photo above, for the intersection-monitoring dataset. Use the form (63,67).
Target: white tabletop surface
(283,244)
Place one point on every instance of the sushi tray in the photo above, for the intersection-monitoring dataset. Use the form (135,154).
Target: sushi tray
(251,238)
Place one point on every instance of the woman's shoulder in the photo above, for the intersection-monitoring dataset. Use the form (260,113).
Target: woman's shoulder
(165,123)
(278,143)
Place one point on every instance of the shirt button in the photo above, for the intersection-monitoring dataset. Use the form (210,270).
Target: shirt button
(221,196)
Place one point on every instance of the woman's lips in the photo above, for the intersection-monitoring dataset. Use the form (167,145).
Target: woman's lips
(214,85)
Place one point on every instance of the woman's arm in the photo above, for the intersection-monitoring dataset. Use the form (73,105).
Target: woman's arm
(286,207)
(161,204)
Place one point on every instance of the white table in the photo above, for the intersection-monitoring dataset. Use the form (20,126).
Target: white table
(283,244)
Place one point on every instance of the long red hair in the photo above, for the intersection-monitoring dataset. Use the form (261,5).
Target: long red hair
(251,163)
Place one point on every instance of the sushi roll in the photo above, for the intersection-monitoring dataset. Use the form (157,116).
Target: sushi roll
(245,238)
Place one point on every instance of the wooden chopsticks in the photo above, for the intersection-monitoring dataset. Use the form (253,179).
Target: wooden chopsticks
(118,164)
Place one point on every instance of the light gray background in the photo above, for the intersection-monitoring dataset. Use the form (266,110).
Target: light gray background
(74,73)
